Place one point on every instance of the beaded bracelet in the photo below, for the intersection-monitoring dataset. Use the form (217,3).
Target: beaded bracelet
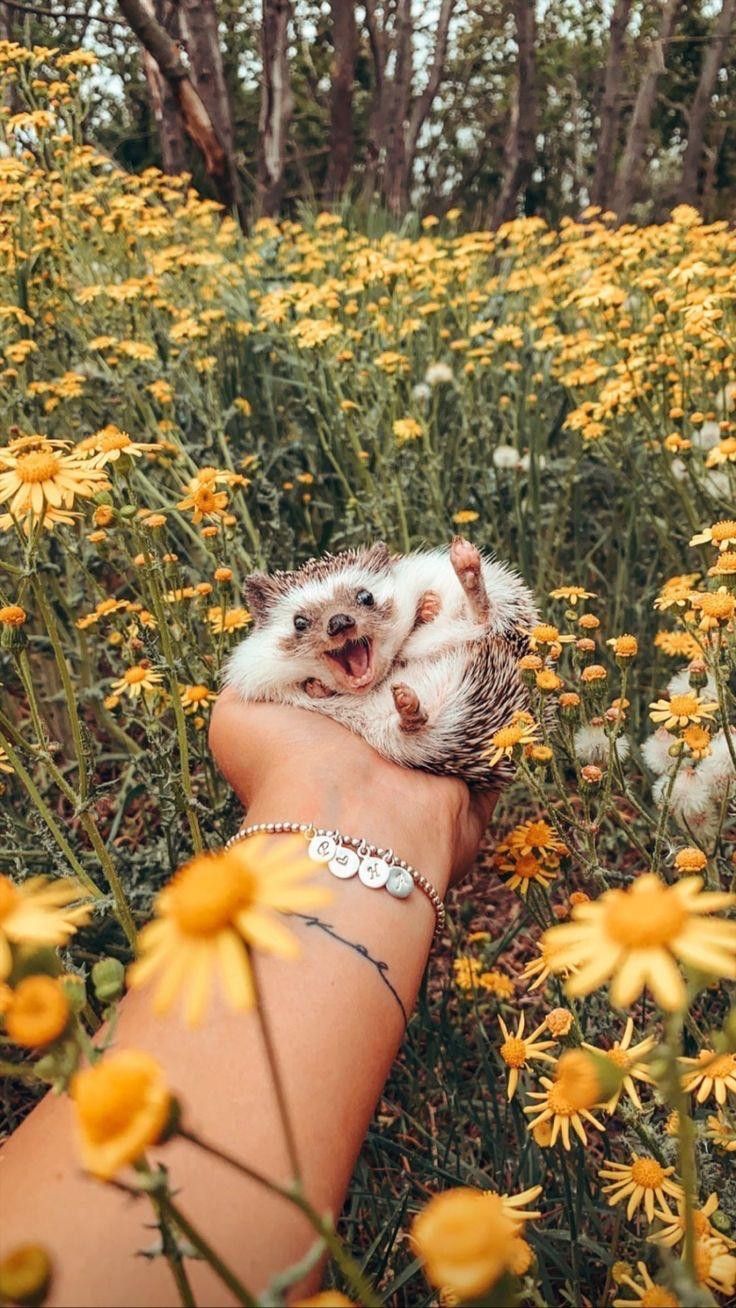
(345,856)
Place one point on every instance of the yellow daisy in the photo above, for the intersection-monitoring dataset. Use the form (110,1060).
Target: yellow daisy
(45,477)
(626,1057)
(713,1074)
(110,444)
(215,910)
(721,1132)
(673,1228)
(223,619)
(722,534)
(637,935)
(715,1266)
(571,594)
(511,739)
(38,912)
(195,698)
(517,1051)
(639,1182)
(649,1294)
(681,710)
(518,872)
(557,1107)
(136,681)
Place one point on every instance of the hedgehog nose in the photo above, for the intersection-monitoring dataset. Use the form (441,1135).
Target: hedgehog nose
(338,623)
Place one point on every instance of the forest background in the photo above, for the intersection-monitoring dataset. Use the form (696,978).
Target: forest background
(493,107)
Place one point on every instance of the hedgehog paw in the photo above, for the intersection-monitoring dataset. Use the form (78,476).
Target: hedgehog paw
(430,606)
(411,714)
(466,560)
(316,690)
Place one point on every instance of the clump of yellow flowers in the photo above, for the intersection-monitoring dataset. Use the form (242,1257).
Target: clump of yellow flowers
(182,405)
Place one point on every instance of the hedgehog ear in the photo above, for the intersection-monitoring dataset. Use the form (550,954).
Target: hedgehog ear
(261,593)
(377,556)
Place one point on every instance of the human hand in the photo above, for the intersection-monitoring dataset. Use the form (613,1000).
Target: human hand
(287,764)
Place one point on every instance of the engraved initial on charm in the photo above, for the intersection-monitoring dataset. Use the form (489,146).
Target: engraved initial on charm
(374,872)
(322,848)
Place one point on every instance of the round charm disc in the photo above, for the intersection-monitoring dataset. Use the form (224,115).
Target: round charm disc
(400,883)
(344,863)
(321,849)
(374,872)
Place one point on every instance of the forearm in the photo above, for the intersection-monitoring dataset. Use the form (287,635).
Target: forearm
(336,1017)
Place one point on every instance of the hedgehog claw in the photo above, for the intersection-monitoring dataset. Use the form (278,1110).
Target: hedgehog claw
(411,714)
(466,560)
(314,688)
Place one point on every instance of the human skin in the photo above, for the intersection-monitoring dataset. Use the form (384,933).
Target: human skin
(335,1025)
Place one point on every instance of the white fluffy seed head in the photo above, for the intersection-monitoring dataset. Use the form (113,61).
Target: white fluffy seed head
(655,752)
(592,745)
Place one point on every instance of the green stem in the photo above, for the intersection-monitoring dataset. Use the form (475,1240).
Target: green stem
(324,1227)
(228,1278)
(71,701)
(49,819)
(272,1058)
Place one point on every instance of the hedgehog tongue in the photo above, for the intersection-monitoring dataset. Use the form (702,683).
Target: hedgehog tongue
(356,657)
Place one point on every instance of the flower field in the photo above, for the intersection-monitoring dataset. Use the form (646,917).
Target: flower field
(181,404)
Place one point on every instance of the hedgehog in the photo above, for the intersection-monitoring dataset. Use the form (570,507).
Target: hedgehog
(417,653)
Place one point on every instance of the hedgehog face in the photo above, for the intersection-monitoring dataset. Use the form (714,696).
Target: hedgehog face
(336,625)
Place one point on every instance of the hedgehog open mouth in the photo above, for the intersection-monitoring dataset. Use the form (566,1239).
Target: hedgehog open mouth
(355,658)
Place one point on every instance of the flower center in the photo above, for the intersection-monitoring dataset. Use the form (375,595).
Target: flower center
(513,1052)
(40,465)
(717,1067)
(507,736)
(618,1056)
(684,705)
(559,1101)
(132,675)
(115,440)
(647,1172)
(527,866)
(207,894)
(197,693)
(205,499)
(8,897)
(538,834)
(723,530)
(652,917)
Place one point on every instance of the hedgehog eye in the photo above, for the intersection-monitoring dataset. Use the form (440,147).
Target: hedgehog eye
(300,622)
(365,597)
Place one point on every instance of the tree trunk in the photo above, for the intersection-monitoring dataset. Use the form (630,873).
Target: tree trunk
(197,123)
(697,118)
(424,101)
(380,47)
(396,181)
(342,142)
(164,104)
(611,106)
(276,105)
(632,160)
(520,148)
(202,40)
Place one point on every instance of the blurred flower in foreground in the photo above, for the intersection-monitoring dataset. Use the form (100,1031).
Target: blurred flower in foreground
(635,935)
(25,1275)
(122,1107)
(38,913)
(213,911)
(464,1239)
(38,1012)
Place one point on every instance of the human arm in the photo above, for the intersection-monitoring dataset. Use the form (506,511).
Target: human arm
(335,1025)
